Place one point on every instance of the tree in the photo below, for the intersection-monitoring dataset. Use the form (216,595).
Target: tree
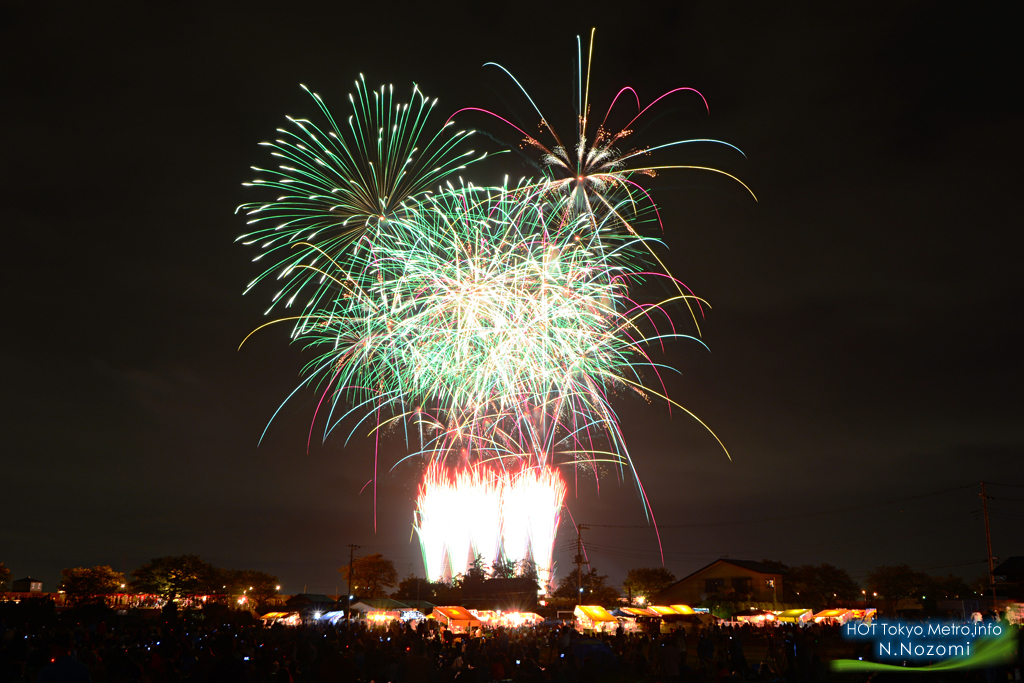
(372,575)
(595,590)
(981,585)
(528,570)
(949,587)
(446,593)
(504,568)
(85,585)
(507,568)
(819,586)
(896,582)
(643,582)
(475,572)
(413,587)
(5,576)
(257,587)
(176,577)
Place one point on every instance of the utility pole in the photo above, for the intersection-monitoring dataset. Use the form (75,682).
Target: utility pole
(348,598)
(988,545)
(578,561)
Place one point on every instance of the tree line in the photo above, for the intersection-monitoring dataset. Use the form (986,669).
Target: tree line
(176,578)
(373,575)
(809,585)
(172,578)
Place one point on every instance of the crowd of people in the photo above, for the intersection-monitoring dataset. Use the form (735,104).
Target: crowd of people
(176,650)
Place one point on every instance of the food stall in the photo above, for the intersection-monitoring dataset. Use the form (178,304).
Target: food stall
(487,617)
(800,615)
(283,618)
(866,615)
(595,619)
(637,619)
(836,616)
(380,617)
(753,616)
(518,619)
(456,619)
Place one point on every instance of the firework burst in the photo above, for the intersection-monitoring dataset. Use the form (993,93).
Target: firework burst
(336,184)
(486,322)
(595,168)
(493,326)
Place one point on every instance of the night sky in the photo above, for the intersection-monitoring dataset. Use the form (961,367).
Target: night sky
(865,339)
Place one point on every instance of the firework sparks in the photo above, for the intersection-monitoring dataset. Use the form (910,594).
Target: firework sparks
(338,184)
(493,325)
(484,507)
(594,169)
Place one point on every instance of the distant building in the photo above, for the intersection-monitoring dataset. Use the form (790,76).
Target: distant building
(27,585)
(725,579)
(310,604)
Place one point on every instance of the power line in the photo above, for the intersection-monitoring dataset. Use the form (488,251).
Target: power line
(778,518)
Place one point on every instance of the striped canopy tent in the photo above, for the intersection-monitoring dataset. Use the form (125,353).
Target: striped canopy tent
(285,618)
(636,612)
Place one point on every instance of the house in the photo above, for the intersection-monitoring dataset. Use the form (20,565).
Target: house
(725,579)
(1009,576)
(27,585)
(310,604)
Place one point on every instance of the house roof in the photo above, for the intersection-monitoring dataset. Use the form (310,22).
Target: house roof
(309,599)
(385,604)
(749,565)
(1010,566)
(419,605)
